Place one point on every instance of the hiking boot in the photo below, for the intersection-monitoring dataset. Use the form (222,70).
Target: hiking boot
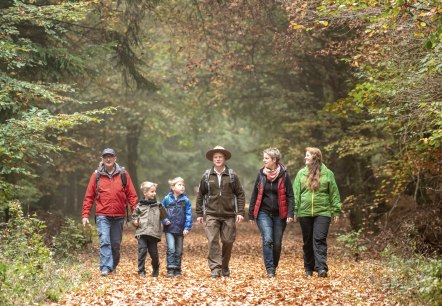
(308,273)
(113,272)
(271,273)
(170,272)
(322,273)
(225,272)
(104,273)
(142,274)
(215,274)
(178,273)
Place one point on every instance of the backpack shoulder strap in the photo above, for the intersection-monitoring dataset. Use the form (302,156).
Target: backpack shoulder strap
(206,179)
(231,176)
(123,177)
(232,180)
(206,175)
(97,180)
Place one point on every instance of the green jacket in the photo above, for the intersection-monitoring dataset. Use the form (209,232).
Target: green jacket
(323,202)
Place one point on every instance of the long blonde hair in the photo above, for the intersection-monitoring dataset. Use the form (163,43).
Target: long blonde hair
(314,169)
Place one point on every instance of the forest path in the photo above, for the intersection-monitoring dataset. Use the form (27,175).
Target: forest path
(349,282)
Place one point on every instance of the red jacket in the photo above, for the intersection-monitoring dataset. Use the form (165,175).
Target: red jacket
(284,190)
(112,197)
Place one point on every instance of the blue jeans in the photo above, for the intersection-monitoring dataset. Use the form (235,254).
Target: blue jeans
(174,250)
(272,229)
(110,233)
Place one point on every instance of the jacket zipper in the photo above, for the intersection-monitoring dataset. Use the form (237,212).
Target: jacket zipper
(220,183)
(313,202)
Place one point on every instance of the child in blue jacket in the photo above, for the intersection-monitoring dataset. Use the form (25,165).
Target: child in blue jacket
(179,214)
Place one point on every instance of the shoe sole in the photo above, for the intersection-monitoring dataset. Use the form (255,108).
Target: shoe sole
(322,274)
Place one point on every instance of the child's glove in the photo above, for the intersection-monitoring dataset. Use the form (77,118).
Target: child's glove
(185,232)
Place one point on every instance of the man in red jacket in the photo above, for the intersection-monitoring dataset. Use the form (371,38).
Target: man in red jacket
(111,188)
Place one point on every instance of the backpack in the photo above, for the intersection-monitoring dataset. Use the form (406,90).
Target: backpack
(206,196)
(207,173)
(123,182)
(122,175)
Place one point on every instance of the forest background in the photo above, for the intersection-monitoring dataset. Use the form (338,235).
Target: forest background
(162,82)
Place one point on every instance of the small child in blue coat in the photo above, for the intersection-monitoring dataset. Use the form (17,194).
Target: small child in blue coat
(179,214)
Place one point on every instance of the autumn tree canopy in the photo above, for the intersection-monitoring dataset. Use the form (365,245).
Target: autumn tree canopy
(172,79)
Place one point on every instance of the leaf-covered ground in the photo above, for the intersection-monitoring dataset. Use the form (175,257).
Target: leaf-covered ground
(349,283)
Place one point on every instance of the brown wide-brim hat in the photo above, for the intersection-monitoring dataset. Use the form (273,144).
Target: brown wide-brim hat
(218,149)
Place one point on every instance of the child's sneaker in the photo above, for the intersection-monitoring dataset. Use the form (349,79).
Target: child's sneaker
(178,273)
(170,272)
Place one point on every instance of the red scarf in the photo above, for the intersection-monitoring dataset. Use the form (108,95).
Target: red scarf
(272,174)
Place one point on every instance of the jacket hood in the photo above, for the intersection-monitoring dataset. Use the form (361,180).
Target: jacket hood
(148,202)
(102,171)
(170,195)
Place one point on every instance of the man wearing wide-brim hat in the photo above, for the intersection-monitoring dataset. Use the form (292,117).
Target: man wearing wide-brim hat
(221,199)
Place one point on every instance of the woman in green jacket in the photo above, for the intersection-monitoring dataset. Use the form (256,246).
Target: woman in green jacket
(316,201)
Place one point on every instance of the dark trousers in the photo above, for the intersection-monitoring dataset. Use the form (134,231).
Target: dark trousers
(314,235)
(147,244)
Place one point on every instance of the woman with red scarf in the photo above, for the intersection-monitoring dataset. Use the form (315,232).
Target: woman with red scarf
(271,205)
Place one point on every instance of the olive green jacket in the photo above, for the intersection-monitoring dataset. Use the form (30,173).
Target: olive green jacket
(323,202)
(149,214)
(221,196)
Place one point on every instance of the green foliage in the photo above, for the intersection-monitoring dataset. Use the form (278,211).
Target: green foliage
(28,273)
(35,53)
(24,257)
(23,236)
(416,278)
(394,108)
(353,243)
(70,240)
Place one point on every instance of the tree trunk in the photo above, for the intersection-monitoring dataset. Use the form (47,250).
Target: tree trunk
(133,137)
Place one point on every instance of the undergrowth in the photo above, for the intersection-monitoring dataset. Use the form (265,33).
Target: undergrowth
(412,276)
(415,278)
(29,271)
